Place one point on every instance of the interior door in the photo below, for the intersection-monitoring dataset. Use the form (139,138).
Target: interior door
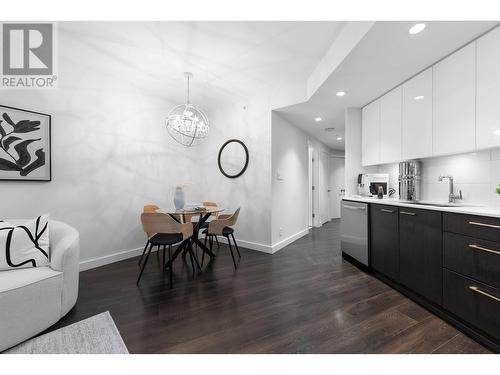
(337,183)
(311,174)
(324,186)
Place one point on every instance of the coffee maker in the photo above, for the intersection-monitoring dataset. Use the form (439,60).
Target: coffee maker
(368,184)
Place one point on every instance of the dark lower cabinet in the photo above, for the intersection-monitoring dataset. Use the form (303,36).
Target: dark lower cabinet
(449,262)
(475,302)
(420,252)
(385,240)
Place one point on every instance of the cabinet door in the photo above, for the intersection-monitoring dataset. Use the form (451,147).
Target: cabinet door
(390,127)
(385,240)
(420,252)
(370,134)
(488,90)
(417,117)
(454,103)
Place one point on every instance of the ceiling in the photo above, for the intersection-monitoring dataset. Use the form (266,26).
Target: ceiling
(385,57)
(228,59)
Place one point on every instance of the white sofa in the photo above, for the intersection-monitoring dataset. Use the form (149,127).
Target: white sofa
(33,299)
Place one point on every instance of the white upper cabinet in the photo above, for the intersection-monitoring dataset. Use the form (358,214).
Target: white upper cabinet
(454,102)
(417,117)
(390,127)
(488,90)
(370,134)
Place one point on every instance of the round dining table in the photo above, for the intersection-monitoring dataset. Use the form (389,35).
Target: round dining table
(185,215)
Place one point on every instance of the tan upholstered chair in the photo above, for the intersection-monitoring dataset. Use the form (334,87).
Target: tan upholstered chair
(150,208)
(222,227)
(210,204)
(163,230)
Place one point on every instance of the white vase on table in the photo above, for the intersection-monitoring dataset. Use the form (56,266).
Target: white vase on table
(179,198)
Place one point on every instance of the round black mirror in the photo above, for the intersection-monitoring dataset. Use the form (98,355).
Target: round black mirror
(233,158)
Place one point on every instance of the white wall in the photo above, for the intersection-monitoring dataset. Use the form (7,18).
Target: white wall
(250,122)
(476,174)
(111,153)
(290,193)
(289,190)
(353,165)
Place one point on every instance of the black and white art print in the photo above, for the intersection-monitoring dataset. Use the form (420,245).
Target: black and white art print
(24,145)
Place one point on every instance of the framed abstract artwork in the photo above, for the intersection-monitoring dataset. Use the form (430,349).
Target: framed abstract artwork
(24,145)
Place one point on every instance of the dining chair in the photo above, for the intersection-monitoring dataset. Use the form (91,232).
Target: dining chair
(163,230)
(210,204)
(222,227)
(148,208)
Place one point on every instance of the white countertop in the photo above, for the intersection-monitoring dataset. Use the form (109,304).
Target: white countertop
(459,208)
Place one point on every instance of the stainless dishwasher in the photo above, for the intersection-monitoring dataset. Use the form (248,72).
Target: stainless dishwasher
(354,231)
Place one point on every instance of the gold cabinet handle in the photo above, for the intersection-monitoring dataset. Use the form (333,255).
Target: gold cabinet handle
(480,248)
(408,213)
(477,290)
(484,225)
(385,210)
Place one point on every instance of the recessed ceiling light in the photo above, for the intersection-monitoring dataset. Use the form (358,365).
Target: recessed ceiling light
(340,93)
(329,129)
(417,28)
(318,119)
(339,138)
(419,97)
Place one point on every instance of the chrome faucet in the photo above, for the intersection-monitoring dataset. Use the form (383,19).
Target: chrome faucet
(451,196)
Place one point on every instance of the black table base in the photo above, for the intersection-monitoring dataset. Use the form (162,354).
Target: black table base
(187,245)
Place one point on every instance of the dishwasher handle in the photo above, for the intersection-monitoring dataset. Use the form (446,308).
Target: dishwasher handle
(348,206)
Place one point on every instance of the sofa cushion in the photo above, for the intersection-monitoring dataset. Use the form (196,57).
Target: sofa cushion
(15,279)
(33,305)
(25,245)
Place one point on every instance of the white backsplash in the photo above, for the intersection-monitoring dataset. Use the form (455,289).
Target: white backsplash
(476,174)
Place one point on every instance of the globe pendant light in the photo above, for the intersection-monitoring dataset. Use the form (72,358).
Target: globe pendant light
(187,124)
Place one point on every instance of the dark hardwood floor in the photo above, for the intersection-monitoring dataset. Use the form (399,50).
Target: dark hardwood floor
(303,299)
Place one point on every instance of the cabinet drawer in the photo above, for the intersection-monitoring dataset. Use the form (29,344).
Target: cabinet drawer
(476,258)
(474,302)
(486,228)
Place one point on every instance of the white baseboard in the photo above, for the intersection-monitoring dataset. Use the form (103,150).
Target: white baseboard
(250,245)
(122,255)
(111,258)
(287,241)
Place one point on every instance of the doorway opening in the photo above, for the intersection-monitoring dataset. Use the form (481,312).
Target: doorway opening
(337,184)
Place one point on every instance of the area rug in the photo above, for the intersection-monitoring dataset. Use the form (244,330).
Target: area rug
(95,335)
